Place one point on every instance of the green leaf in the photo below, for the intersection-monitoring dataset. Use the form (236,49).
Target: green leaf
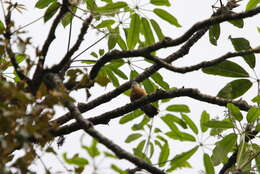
(92,149)
(235,89)
(214,33)
(111,8)
(179,159)
(119,73)
(238,23)
(75,160)
(178,108)
(203,119)
(118,170)
(166,16)
(20,57)
(243,44)
(190,123)
(169,121)
(133,33)
(91,5)
(148,85)
(148,34)
(51,10)
(159,80)
(105,23)
(43,3)
(257,128)
(164,155)
(112,77)
(112,40)
(140,126)
(258,29)
(160,2)
(219,124)
(252,4)
(157,29)
(256,99)
(131,116)
(223,147)
(102,78)
(132,137)
(2,27)
(181,136)
(121,43)
(226,69)
(209,169)
(176,119)
(252,114)
(234,111)
(67,18)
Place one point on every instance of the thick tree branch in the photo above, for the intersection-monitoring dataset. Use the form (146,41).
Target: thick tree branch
(51,36)
(168,42)
(120,152)
(148,72)
(203,64)
(159,94)
(65,62)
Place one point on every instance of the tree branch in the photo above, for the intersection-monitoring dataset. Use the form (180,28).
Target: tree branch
(51,36)
(203,64)
(120,152)
(168,42)
(159,94)
(65,62)
(9,50)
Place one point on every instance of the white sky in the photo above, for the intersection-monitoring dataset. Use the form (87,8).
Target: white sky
(187,12)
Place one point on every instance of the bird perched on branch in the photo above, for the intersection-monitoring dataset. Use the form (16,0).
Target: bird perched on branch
(136,93)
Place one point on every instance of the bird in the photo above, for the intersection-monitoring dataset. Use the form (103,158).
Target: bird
(136,93)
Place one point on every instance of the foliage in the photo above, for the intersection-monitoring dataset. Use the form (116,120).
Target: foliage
(31,93)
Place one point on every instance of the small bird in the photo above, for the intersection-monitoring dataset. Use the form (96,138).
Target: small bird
(136,93)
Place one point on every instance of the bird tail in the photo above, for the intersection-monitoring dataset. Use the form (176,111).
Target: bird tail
(149,110)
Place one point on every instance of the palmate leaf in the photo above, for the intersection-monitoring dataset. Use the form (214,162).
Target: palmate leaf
(164,154)
(132,137)
(131,116)
(190,123)
(209,169)
(178,108)
(203,119)
(157,29)
(148,34)
(76,160)
(166,16)
(219,124)
(133,32)
(235,89)
(111,8)
(226,69)
(180,160)
(161,2)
